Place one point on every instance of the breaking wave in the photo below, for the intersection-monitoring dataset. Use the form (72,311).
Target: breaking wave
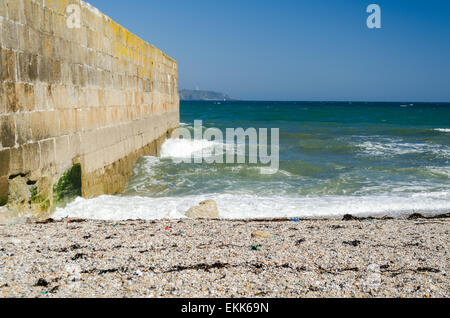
(444,130)
(233,206)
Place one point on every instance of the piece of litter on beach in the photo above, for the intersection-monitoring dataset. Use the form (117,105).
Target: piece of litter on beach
(294,220)
(255,247)
(167,228)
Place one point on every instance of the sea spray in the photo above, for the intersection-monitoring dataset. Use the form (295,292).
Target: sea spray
(209,146)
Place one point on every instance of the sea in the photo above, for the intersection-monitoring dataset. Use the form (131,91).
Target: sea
(335,158)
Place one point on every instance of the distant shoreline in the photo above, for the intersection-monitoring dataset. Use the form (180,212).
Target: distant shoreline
(198,95)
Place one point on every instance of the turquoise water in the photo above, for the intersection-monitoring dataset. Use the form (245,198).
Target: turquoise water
(335,158)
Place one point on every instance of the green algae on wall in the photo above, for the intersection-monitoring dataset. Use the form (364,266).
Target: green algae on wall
(4,188)
(36,198)
(68,186)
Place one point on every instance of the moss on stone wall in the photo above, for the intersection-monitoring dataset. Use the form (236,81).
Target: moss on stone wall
(4,188)
(68,186)
(38,199)
(34,195)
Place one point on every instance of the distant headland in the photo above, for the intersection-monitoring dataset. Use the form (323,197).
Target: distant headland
(188,94)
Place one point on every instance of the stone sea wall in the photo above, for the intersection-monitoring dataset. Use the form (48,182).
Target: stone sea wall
(79,102)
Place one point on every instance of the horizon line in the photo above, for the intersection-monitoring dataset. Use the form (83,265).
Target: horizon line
(313,101)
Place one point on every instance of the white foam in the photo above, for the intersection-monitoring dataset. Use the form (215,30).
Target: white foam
(440,170)
(445,130)
(185,148)
(120,208)
(392,147)
(236,206)
(150,162)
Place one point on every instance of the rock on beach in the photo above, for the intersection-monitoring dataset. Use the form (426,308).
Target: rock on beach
(205,210)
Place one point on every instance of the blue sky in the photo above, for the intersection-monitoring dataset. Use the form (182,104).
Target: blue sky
(299,50)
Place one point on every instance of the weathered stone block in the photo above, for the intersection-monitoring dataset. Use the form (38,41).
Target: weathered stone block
(57,6)
(92,80)
(39,129)
(93,161)
(8,65)
(34,43)
(2,100)
(3,10)
(4,188)
(81,119)
(66,122)
(9,89)
(74,146)
(24,37)
(16,160)
(44,45)
(32,67)
(23,130)
(55,77)
(83,74)
(7,131)
(44,125)
(91,118)
(46,21)
(40,92)
(25,97)
(59,23)
(31,157)
(52,121)
(4,162)
(74,74)
(47,149)
(62,150)
(66,73)
(10,36)
(44,69)
(14,9)
(28,67)
(32,13)
(19,192)
(88,142)
(49,96)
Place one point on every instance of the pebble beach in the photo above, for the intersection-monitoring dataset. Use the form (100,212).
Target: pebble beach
(217,258)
